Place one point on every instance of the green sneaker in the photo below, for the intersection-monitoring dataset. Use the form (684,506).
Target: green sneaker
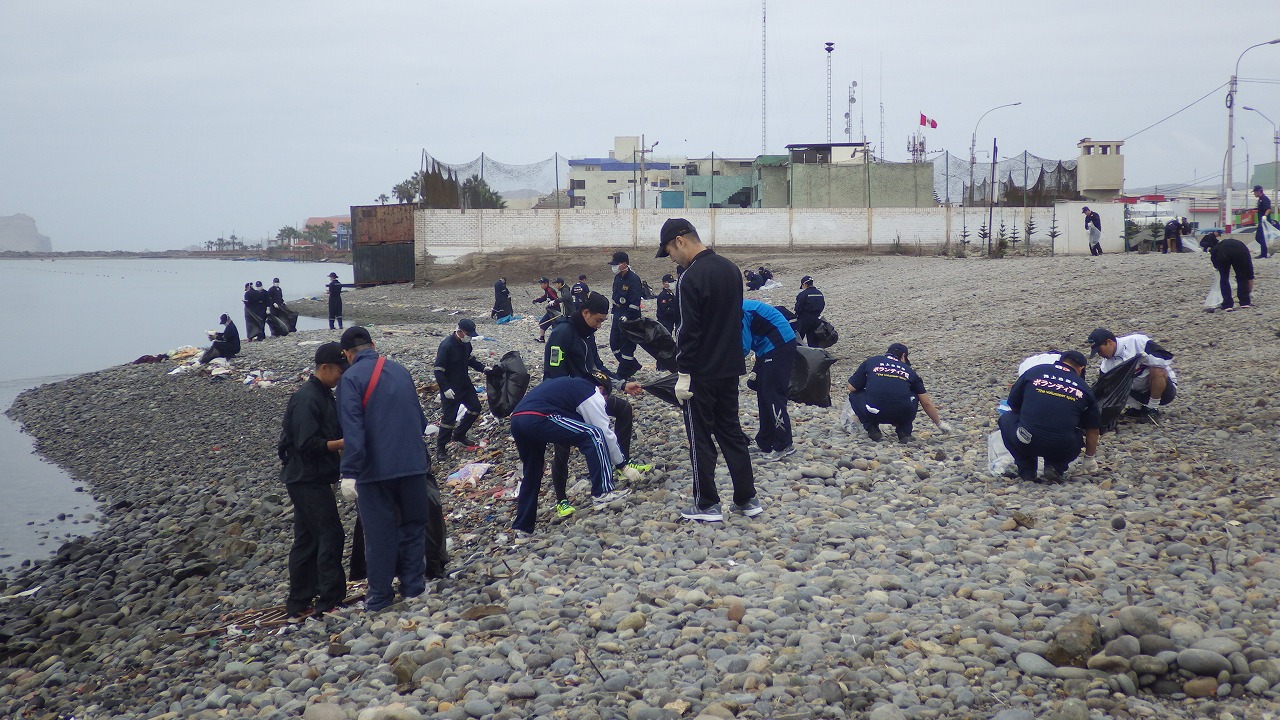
(564,509)
(639,466)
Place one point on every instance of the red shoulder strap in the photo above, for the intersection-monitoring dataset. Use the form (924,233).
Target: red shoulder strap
(373,380)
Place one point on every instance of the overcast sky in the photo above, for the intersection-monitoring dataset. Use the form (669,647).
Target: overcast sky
(154,124)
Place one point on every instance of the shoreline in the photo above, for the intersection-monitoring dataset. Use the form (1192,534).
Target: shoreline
(862,544)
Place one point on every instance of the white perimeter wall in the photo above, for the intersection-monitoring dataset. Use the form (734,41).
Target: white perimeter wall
(450,234)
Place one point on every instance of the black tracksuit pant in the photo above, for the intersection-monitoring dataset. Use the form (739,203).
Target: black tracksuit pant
(315,559)
(711,418)
(465,395)
(805,327)
(773,383)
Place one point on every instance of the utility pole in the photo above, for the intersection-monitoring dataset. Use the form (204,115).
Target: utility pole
(764,77)
(1231,131)
(830,48)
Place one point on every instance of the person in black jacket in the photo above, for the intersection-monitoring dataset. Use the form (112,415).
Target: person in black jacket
(226,341)
(334,288)
(254,322)
(1227,255)
(571,352)
(627,296)
(1093,227)
(577,294)
(668,313)
(501,301)
(1263,213)
(452,360)
(809,306)
(709,362)
(310,441)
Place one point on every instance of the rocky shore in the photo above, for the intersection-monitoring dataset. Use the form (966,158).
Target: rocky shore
(884,581)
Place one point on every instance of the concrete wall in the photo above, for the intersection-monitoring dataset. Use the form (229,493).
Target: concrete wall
(447,235)
(845,186)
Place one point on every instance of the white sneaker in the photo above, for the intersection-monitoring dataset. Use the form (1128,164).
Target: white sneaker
(609,497)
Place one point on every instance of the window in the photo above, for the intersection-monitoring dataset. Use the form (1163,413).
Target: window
(577,184)
(1104,149)
(698,193)
(613,181)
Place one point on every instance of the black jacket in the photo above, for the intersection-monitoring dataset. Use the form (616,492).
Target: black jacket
(571,350)
(501,300)
(452,360)
(668,313)
(228,341)
(275,296)
(810,303)
(310,422)
(1093,217)
(627,294)
(709,331)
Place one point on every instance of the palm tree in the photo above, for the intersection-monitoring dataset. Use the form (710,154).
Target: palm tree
(382,199)
(220,243)
(405,191)
(208,246)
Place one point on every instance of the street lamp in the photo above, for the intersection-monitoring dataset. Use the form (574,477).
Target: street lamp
(973,147)
(1275,165)
(1231,131)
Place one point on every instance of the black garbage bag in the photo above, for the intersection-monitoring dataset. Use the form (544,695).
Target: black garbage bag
(648,334)
(825,335)
(289,317)
(277,325)
(664,388)
(506,384)
(790,316)
(1111,390)
(811,377)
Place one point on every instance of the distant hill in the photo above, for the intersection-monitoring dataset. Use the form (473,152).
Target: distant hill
(18,234)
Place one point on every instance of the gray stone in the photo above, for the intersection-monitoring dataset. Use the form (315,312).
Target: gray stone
(1147,665)
(1125,646)
(1108,663)
(1075,642)
(1203,662)
(1033,664)
(1156,644)
(1184,633)
(886,712)
(1257,685)
(1014,714)
(1268,669)
(1072,709)
(1139,621)
(478,708)
(1222,645)
(522,691)
(324,711)
(1178,549)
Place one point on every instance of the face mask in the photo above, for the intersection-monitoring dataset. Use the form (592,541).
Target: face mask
(615,268)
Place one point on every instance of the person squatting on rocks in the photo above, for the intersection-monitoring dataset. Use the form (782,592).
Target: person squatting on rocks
(1232,255)
(1172,237)
(501,301)
(1051,405)
(452,360)
(753,280)
(768,334)
(571,352)
(809,306)
(1154,380)
(552,311)
(709,362)
(1093,227)
(667,312)
(334,289)
(226,341)
(627,297)
(566,411)
(385,466)
(1264,213)
(309,447)
(885,390)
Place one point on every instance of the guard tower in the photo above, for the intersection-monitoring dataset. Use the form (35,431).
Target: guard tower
(1100,169)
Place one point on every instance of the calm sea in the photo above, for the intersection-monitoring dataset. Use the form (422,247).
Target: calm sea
(78,315)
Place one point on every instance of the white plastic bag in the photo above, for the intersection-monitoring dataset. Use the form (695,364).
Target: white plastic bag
(1270,233)
(999,458)
(1213,300)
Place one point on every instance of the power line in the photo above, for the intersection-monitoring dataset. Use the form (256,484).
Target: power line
(1201,98)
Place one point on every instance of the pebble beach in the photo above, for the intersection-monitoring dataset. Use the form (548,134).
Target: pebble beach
(883,581)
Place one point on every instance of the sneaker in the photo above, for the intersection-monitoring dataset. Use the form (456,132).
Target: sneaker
(905,438)
(875,434)
(780,454)
(711,513)
(1246,305)
(750,508)
(605,499)
(1052,475)
(1230,309)
(756,452)
(564,509)
(639,466)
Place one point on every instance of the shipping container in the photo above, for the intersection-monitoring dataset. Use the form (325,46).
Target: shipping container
(383,263)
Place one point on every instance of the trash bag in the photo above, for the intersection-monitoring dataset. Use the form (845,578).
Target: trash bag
(278,326)
(664,388)
(1213,300)
(790,316)
(811,377)
(999,458)
(825,335)
(1112,392)
(290,317)
(650,335)
(506,384)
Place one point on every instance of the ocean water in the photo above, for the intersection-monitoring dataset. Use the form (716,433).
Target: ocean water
(73,316)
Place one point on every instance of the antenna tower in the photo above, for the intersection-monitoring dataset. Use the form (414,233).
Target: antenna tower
(764,77)
(830,48)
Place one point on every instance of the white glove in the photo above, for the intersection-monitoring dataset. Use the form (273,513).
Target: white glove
(629,473)
(450,394)
(945,426)
(683,393)
(1089,464)
(348,487)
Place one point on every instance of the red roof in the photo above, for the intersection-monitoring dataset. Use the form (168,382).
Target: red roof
(336,220)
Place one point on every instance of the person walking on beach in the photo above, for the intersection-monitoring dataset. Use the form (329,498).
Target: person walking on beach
(254,322)
(335,301)
(309,447)
(577,294)
(501,301)
(627,296)
(809,306)
(452,360)
(385,466)
(667,313)
(709,362)
(226,341)
(1093,226)
(1264,213)
(552,311)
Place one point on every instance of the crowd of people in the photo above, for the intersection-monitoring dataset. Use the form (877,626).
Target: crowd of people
(358,422)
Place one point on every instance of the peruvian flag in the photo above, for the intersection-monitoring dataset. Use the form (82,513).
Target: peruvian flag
(927,122)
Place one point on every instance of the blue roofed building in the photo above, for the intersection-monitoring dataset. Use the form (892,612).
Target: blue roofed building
(600,182)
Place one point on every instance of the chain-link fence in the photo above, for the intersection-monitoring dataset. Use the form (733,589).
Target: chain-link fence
(1023,179)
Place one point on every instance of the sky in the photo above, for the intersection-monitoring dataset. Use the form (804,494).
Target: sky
(156,125)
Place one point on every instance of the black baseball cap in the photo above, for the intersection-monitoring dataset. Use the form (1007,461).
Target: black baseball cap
(558,281)
(897,350)
(468,326)
(330,353)
(1097,337)
(1257,188)
(805,279)
(543,280)
(354,337)
(333,275)
(668,278)
(671,229)
(602,380)
(582,277)
(620,257)
(1084,209)
(1075,357)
